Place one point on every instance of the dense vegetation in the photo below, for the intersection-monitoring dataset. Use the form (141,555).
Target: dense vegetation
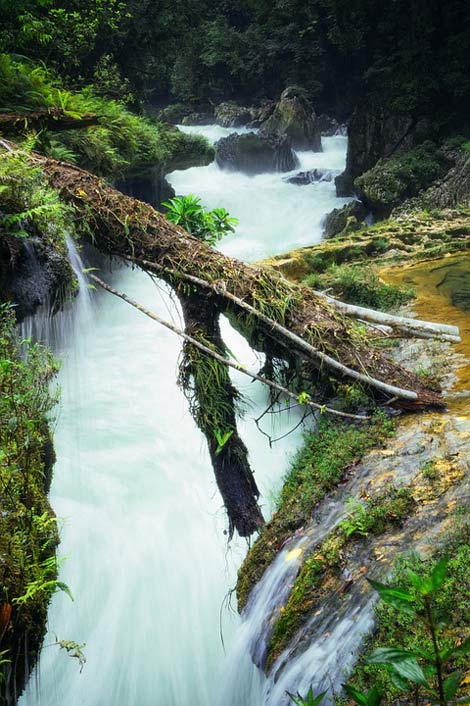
(410,56)
(120,142)
(28,529)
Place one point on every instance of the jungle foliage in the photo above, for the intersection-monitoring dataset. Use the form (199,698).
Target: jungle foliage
(28,527)
(121,142)
(409,55)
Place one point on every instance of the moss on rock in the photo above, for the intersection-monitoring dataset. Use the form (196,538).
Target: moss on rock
(28,528)
(319,466)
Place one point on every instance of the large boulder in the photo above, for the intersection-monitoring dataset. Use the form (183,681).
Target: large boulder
(449,190)
(262,113)
(255,154)
(294,117)
(230,114)
(391,181)
(174,113)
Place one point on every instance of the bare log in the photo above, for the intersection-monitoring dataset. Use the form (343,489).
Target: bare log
(402,323)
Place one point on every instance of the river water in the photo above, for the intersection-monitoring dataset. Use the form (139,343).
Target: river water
(142,525)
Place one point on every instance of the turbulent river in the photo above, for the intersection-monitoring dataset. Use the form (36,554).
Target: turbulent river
(142,526)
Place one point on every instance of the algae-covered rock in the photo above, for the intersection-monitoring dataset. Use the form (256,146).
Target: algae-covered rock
(33,273)
(255,154)
(393,180)
(349,217)
(295,117)
(377,133)
(174,113)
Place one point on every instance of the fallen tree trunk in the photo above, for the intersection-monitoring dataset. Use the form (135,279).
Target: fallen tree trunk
(415,327)
(286,321)
(130,228)
(53,119)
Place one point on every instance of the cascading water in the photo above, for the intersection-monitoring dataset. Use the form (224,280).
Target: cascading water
(142,522)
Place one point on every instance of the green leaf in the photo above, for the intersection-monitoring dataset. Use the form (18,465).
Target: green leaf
(398,681)
(402,661)
(463,649)
(355,694)
(374,697)
(309,700)
(451,685)
(63,587)
(399,599)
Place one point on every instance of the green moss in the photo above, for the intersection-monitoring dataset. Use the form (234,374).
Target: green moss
(394,629)
(28,532)
(373,516)
(317,468)
(359,285)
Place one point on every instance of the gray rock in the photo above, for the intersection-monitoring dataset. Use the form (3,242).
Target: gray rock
(295,118)
(198,119)
(230,114)
(255,154)
(327,126)
(310,177)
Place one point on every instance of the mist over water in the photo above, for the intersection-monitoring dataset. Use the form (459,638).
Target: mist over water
(142,523)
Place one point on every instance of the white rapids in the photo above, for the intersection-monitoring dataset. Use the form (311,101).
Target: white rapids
(141,518)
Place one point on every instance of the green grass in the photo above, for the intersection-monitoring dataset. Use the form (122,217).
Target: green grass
(359,285)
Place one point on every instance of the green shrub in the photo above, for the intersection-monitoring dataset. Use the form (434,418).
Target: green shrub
(208,226)
(359,285)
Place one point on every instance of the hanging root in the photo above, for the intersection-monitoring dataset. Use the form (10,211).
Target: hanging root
(212,400)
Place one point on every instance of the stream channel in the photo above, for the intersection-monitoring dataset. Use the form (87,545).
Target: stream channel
(141,521)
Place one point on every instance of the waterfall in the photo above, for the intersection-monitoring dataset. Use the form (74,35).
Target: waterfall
(141,519)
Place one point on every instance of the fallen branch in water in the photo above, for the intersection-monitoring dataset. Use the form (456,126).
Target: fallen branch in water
(226,361)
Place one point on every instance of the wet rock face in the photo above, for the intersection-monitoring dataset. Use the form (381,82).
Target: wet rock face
(255,154)
(151,187)
(349,217)
(376,134)
(294,117)
(328,126)
(230,114)
(33,274)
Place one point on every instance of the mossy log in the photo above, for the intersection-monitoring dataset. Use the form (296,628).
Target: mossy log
(126,227)
(53,119)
